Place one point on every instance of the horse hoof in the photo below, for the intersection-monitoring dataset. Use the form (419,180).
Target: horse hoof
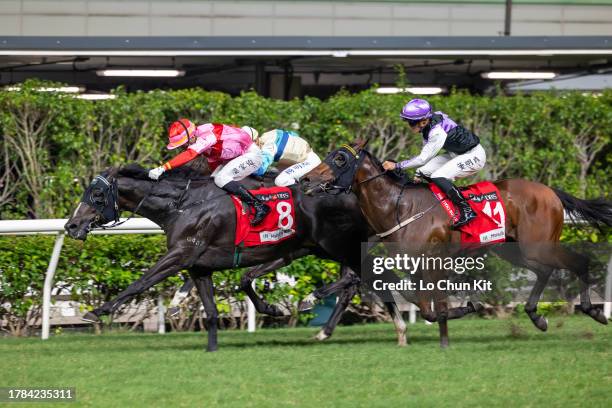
(478,307)
(90,318)
(444,344)
(211,349)
(321,336)
(274,311)
(307,303)
(598,316)
(305,306)
(541,323)
(402,342)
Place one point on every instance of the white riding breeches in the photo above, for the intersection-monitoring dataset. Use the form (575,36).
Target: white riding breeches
(452,166)
(239,167)
(293,173)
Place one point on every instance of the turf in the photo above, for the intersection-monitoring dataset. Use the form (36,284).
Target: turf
(490,363)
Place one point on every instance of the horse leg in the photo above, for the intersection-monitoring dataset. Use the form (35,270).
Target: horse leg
(441,307)
(518,257)
(347,278)
(346,296)
(170,264)
(206,289)
(439,314)
(579,264)
(253,273)
(398,321)
(343,301)
(459,312)
(543,261)
(179,296)
(424,304)
(246,285)
(348,283)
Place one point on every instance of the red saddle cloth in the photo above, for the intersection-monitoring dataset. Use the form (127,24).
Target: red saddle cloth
(278,225)
(484,198)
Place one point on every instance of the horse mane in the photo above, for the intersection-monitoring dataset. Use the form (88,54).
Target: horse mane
(399,176)
(183,173)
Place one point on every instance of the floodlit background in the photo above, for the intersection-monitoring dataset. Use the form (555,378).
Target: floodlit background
(284,49)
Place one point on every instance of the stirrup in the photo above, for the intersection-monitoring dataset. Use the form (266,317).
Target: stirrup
(261,211)
(464,219)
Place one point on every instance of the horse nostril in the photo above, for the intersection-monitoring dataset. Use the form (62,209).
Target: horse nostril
(71,227)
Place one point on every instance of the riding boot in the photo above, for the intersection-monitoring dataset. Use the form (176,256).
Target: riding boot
(466,213)
(261,209)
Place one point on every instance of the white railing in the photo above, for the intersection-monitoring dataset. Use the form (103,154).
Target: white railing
(55,226)
(145,226)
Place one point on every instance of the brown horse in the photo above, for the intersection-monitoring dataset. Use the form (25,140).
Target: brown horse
(534,219)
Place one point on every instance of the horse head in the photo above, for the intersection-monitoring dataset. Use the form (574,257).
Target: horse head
(98,206)
(129,188)
(340,171)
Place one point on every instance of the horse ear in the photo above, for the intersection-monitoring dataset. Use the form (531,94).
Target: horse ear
(114,171)
(365,142)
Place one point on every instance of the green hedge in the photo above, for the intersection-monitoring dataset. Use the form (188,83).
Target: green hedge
(52,144)
(96,270)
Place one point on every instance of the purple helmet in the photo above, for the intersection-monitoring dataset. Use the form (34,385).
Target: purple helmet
(416,109)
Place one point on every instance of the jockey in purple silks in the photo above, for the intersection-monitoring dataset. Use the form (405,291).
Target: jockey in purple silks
(464,155)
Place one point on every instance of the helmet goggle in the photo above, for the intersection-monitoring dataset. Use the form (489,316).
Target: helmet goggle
(412,122)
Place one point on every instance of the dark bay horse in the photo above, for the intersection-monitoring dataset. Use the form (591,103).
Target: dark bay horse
(534,219)
(199,222)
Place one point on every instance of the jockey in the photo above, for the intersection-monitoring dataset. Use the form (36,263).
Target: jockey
(230,152)
(464,155)
(287,148)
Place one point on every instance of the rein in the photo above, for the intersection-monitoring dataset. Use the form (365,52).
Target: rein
(358,160)
(405,222)
(372,178)
(134,211)
(109,203)
(179,201)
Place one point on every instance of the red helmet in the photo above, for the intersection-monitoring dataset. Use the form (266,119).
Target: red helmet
(179,133)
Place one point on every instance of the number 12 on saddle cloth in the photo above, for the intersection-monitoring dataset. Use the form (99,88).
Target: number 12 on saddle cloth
(278,225)
(490,225)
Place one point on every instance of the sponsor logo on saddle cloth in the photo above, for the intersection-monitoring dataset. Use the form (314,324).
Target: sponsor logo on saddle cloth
(490,225)
(278,225)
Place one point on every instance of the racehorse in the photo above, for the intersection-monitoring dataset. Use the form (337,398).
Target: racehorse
(199,222)
(534,219)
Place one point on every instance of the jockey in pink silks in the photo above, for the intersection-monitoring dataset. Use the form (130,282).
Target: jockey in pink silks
(230,152)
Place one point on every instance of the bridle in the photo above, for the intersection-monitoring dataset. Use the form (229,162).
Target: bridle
(102,195)
(344,163)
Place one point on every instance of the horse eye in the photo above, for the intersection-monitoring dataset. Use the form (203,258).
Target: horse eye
(339,161)
(97,196)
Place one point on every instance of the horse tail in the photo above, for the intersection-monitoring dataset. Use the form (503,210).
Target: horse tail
(595,212)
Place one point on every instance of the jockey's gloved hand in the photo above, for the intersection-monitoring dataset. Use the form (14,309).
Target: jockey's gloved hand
(156,172)
(389,165)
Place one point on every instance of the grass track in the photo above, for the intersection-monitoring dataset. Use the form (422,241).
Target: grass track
(488,364)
